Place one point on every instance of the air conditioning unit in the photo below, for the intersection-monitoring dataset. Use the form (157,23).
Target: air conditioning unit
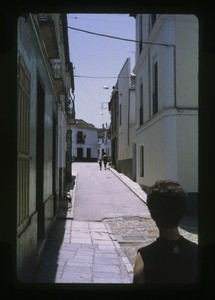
(44,17)
(56,67)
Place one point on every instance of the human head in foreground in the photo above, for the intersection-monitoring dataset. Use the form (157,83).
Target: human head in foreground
(167,202)
(171,258)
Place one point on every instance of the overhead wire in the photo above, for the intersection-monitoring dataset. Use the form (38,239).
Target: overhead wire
(114,37)
(144,16)
(99,77)
(118,38)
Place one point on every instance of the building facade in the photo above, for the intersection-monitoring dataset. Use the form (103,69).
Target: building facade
(84,141)
(104,143)
(126,121)
(113,107)
(167,100)
(45,106)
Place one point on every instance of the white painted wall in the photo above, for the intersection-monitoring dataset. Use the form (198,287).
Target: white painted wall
(90,142)
(187,144)
(123,84)
(170,138)
(104,145)
(127,103)
(187,60)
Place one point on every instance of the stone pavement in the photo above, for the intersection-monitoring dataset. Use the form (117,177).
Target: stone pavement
(83,252)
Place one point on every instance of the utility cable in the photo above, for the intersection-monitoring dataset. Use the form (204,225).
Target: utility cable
(99,77)
(118,38)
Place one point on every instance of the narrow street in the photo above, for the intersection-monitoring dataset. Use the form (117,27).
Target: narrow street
(96,240)
(101,195)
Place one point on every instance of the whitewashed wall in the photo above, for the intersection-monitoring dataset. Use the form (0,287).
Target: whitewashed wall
(90,142)
(169,138)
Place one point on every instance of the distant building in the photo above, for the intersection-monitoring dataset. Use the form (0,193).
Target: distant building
(84,141)
(104,143)
(154,127)
(122,107)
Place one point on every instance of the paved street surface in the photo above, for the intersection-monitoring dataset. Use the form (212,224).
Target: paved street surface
(82,248)
(100,195)
(95,240)
(83,252)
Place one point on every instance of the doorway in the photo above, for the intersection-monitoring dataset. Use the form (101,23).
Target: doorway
(79,153)
(88,153)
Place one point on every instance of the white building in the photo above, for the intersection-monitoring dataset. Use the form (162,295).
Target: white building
(104,143)
(167,99)
(84,141)
(126,121)
(123,120)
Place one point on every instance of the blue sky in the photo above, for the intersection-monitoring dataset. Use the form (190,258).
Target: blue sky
(98,56)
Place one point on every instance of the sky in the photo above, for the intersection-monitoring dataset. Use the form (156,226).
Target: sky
(96,56)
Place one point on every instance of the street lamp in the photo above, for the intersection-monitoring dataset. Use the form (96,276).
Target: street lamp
(105,87)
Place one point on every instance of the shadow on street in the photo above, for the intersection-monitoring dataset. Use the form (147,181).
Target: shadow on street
(54,256)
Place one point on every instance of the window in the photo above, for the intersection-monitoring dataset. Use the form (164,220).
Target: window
(141,105)
(141,161)
(23,157)
(80,137)
(120,114)
(155,89)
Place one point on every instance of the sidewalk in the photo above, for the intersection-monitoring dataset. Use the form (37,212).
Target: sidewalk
(87,253)
(82,252)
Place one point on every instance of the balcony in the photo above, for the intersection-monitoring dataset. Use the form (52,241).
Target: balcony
(47,28)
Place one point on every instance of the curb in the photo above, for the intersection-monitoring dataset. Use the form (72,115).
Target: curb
(132,185)
(121,253)
(72,194)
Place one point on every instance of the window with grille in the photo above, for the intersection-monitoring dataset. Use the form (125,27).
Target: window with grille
(23,142)
(141,161)
(120,114)
(155,89)
(80,137)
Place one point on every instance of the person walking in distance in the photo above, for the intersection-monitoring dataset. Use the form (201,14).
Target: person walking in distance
(100,164)
(105,160)
(171,258)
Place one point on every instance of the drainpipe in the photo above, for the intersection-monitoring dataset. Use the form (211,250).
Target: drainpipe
(129,91)
(174,61)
